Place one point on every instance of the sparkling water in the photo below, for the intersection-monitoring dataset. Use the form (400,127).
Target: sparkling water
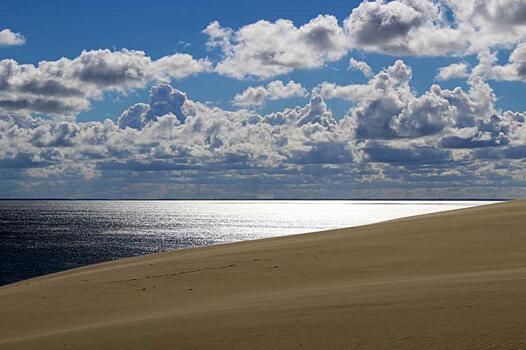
(40,237)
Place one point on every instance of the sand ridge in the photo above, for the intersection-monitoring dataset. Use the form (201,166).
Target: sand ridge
(451,280)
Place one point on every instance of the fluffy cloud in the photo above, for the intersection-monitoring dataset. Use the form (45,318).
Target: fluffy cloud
(173,132)
(489,69)
(453,71)
(275,90)
(390,137)
(267,49)
(66,86)
(435,28)
(10,38)
(164,100)
(387,111)
(399,27)
(394,77)
(361,66)
(383,26)
(490,23)
(405,27)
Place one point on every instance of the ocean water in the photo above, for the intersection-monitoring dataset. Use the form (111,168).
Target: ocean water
(41,237)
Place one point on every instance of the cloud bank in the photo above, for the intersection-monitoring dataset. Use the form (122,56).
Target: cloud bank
(391,137)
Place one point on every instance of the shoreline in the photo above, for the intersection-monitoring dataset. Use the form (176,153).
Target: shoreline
(453,277)
(185,224)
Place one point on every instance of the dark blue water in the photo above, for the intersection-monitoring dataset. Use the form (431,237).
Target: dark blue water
(41,237)
(38,238)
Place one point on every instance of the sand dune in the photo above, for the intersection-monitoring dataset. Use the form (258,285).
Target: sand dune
(453,280)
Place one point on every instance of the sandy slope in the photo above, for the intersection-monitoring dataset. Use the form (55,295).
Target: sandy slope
(454,280)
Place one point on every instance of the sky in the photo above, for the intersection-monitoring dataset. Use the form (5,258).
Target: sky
(274,99)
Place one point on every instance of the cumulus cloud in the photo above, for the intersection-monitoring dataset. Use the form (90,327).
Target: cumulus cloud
(10,38)
(66,86)
(396,76)
(172,132)
(387,110)
(390,136)
(384,26)
(453,71)
(164,100)
(406,27)
(489,69)
(435,28)
(491,23)
(398,27)
(361,66)
(266,49)
(275,90)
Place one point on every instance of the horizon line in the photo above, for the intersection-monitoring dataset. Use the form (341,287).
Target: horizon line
(259,199)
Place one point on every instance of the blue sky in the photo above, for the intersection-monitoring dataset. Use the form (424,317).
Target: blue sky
(443,127)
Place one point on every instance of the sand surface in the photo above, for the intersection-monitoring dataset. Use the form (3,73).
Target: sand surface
(453,280)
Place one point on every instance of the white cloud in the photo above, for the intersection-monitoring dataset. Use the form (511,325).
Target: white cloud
(436,28)
(172,133)
(390,134)
(275,90)
(267,49)
(351,92)
(387,111)
(10,38)
(396,76)
(218,37)
(178,66)
(399,27)
(66,86)
(361,66)
(490,23)
(453,71)
(402,27)
(489,69)
(164,100)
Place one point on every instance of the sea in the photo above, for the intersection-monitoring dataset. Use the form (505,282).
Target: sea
(39,237)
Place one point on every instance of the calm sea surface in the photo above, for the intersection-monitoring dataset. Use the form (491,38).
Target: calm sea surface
(40,237)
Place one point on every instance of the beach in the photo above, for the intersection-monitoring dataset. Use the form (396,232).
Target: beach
(450,280)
